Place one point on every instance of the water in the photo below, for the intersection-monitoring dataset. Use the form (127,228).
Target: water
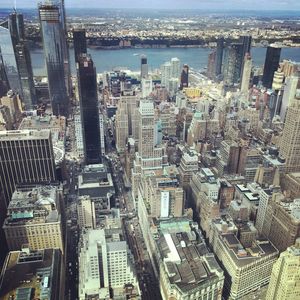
(106,60)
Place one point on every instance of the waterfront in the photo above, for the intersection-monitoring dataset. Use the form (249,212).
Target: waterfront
(196,58)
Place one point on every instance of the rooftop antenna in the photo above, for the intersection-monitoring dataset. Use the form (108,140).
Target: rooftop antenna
(15,6)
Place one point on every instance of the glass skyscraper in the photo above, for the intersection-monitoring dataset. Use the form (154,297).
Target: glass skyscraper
(4,84)
(233,60)
(23,60)
(54,43)
(9,59)
(87,86)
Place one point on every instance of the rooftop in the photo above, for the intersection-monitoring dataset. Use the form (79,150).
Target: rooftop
(35,205)
(24,134)
(30,275)
(243,256)
(187,260)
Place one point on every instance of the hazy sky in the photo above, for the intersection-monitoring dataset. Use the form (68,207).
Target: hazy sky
(170,4)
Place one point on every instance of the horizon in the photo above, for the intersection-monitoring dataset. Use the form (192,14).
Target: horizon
(212,5)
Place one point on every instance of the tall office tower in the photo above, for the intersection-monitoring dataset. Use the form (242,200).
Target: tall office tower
(127,118)
(79,41)
(26,76)
(105,263)
(87,85)
(285,277)
(246,41)
(289,92)
(67,69)
(211,64)
(150,154)
(166,71)
(26,157)
(271,65)
(4,83)
(34,217)
(144,66)
(23,60)
(247,67)
(219,56)
(54,44)
(290,143)
(233,60)
(175,67)
(146,141)
(121,121)
(147,87)
(9,60)
(184,78)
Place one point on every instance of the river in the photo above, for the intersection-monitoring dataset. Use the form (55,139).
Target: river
(106,60)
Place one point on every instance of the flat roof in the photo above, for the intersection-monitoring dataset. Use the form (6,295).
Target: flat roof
(243,256)
(186,258)
(23,272)
(24,134)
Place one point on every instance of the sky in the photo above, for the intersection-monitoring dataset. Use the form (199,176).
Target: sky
(169,4)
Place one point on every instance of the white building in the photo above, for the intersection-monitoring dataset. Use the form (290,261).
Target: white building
(146,86)
(104,262)
(166,71)
(78,134)
(246,73)
(175,67)
(86,212)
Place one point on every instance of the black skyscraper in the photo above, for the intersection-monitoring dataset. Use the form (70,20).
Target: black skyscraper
(271,65)
(219,57)
(184,78)
(246,40)
(79,41)
(86,74)
(144,66)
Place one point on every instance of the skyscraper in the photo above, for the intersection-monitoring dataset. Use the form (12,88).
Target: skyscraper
(165,74)
(271,65)
(285,277)
(23,59)
(79,41)
(175,67)
(144,66)
(219,56)
(289,92)
(9,60)
(54,43)
(290,141)
(233,61)
(245,80)
(4,84)
(211,65)
(246,41)
(26,157)
(184,79)
(87,85)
